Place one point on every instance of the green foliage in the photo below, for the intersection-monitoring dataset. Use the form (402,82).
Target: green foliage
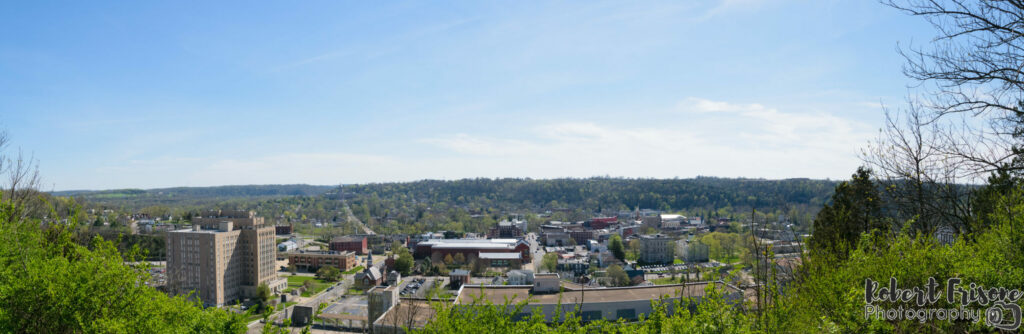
(615,246)
(714,314)
(474,205)
(724,247)
(856,208)
(549,262)
(263,295)
(618,275)
(328,273)
(51,284)
(404,261)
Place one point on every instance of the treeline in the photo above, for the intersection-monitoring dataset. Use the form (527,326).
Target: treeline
(600,193)
(135,199)
(473,205)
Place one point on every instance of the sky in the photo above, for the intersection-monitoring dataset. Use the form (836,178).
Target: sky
(140,94)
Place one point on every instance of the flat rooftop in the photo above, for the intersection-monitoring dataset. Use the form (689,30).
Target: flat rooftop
(500,256)
(408,313)
(497,294)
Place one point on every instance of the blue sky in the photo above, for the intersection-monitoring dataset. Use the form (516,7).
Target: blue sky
(143,95)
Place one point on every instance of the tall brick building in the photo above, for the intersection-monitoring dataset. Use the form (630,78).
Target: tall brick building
(224,257)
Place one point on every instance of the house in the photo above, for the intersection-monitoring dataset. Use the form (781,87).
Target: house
(458,277)
(370,277)
(394,278)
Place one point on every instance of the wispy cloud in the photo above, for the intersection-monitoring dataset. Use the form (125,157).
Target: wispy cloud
(708,138)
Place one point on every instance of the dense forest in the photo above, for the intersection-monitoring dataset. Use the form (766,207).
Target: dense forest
(472,204)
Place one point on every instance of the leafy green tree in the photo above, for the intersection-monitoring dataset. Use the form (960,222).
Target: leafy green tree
(549,262)
(856,208)
(263,296)
(404,262)
(616,247)
(633,251)
(51,284)
(618,275)
(329,273)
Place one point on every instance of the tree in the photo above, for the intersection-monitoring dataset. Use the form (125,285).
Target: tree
(403,263)
(549,262)
(618,275)
(329,273)
(634,250)
(263,296)
(974,69)
(292,269)
(912,164)
(460,259)
(616,247)
(477,267)
(52,284)
(856,208)
(448,260)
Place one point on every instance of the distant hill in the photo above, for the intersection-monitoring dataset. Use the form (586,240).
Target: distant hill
(180,196)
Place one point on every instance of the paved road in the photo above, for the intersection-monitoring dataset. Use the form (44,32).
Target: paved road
(536,252)
(352,218)
(314,301)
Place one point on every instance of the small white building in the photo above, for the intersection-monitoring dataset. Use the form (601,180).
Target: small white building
(520,277)
(287,246)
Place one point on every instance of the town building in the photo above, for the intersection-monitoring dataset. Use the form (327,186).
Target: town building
(394,278)
(559,238)
(224,257)
(283,229)
(356,244)
(580,237)
(657,248)
(458,277)
(519,277)
(369,277)
(470,249)
(314,260)
(600,222)
(501,259)
(287,246)
(508,229)
(576,265)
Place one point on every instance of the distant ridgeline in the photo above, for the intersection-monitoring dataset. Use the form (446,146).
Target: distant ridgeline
(184,196)
(702,194)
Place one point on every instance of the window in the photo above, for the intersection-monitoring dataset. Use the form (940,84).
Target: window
(590,315)
(626,313)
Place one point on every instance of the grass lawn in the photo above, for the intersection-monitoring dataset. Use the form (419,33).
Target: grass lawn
(296,281)
(353,270)
(354,291)
(731,259)
(677,261)
(285,305)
